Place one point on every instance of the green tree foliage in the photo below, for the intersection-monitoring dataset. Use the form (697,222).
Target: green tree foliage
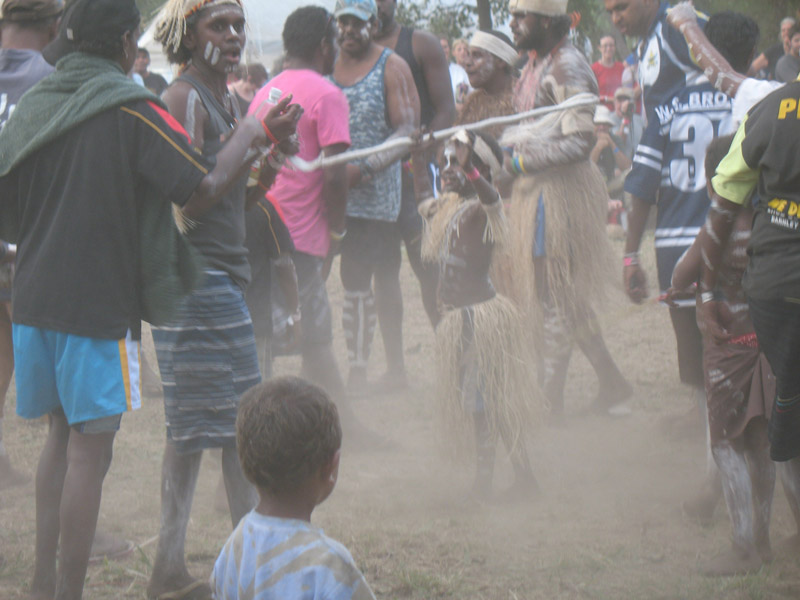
(148,8)
(767,14)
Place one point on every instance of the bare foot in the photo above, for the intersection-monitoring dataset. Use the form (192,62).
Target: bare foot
(731,563)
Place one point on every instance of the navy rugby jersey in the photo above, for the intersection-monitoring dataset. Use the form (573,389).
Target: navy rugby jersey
(669,168)
(665,64)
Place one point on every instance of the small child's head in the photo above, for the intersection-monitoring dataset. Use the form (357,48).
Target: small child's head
(715,152)
(288,436)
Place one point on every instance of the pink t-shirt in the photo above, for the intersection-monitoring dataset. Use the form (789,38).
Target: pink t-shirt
(608,80)
(325,122)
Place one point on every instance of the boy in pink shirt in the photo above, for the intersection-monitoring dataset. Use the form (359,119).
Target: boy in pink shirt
(313,204)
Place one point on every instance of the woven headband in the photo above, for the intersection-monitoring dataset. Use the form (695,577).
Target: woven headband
(549,8)
(171,27)
(495,46)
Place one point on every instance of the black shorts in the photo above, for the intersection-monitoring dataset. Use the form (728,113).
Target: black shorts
(369,247)
(690,346)
(777,325)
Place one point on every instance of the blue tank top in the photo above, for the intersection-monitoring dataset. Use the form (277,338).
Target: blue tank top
(378,198)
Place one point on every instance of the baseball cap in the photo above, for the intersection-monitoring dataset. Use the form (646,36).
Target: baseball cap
(361,9)
(89,20)
(30,10)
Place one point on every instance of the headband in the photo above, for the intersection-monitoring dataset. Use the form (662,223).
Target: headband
(172,25)
(495,46)
(549,8)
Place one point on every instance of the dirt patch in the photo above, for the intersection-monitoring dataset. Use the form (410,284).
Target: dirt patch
(607,523)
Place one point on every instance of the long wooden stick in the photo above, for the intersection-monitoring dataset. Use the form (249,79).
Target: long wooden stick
(321,162)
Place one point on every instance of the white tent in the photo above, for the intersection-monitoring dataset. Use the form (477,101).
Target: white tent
(265,19)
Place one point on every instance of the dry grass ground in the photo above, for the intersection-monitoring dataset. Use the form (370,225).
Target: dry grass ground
(607,523)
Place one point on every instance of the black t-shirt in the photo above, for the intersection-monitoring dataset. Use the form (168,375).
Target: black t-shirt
(78,251)
(766,153)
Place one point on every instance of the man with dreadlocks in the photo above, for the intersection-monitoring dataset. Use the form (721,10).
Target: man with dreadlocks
(484,365)
(559,244)
(207,354)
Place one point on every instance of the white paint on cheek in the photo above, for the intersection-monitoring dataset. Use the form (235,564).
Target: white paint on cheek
(215,56)
(208,50)
(233,31)
(523,30)
(364,32)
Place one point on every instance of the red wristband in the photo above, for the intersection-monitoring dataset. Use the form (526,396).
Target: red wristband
(473,175)
(271,137)
(629,261)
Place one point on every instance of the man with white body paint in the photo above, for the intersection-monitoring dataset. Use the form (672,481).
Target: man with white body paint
(746,93)
(207,353)
(383,104)
(559,245)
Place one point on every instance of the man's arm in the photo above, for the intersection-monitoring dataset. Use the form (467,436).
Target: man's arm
(236,155)
(564,138)
(718,70)
(402,104)
(760,62)
(435,69)
(334,189)
(633,276)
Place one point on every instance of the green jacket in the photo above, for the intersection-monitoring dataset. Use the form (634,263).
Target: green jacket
(81,87)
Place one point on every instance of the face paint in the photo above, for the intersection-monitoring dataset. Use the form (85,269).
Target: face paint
(364,33)
(233,31)
(215,56)
(208,50)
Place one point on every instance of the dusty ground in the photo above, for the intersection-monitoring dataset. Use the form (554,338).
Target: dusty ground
(607,523)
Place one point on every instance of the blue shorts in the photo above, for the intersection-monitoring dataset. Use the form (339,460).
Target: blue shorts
(86,378)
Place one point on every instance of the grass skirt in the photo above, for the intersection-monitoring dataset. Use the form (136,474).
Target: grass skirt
(578,252)
(498,359)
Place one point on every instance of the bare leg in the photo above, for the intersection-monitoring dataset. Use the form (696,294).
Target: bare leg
(485,449)
(428,276)
(389,303)
(9,476)
(178,480)
(358,318)
(49,486)
(319,365)
(242,495)
(762,475)
(614,388)
(556,353)
(88,459)
(6,354)
(410,224)
(738,492)
(790,478)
